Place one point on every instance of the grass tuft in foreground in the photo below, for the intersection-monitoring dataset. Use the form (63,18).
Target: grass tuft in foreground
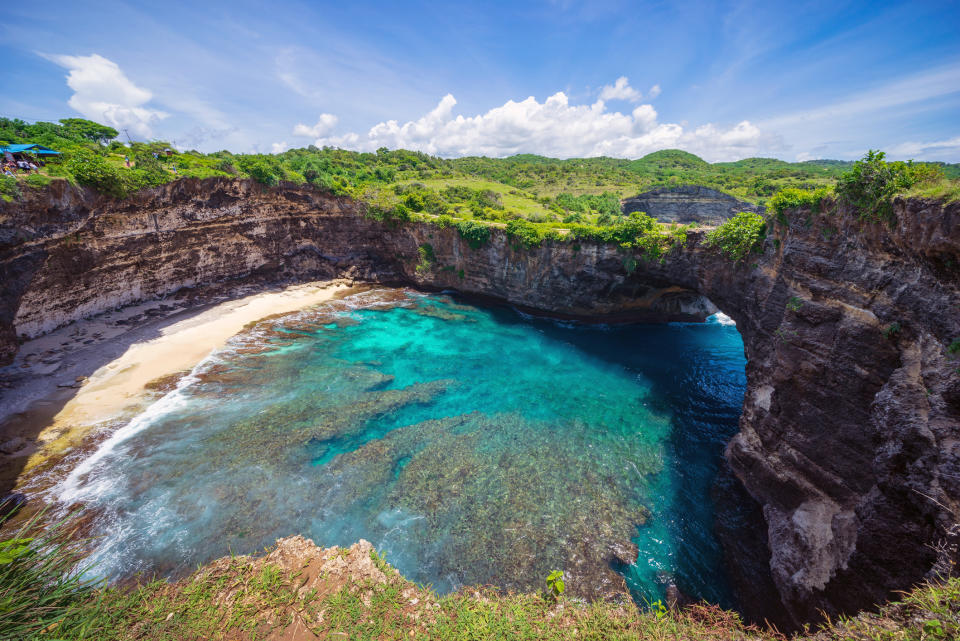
(43,582)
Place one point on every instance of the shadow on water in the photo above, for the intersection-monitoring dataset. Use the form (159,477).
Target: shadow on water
(696,376)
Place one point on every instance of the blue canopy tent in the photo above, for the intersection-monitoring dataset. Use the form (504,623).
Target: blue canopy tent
(35,149)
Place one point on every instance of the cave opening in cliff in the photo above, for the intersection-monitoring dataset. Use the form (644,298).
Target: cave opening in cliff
(471,444)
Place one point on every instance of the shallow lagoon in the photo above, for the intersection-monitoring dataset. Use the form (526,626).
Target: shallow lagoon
(470,444)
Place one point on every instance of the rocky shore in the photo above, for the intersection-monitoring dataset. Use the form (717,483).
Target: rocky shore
(848,441)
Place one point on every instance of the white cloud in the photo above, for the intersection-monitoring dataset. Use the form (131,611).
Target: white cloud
(926,150)
(620,90)
(102,92)
(556,128)
(325,124)
(279,147)
(654,92)
(925,85)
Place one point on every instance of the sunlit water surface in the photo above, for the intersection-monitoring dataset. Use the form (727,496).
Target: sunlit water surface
(473,445)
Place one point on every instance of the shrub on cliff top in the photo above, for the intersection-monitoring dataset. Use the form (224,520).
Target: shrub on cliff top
(391,215)
(476,234)
(37,181)
(264,169)
(873,182)
(639,231)
(9,188)
(739,236)
(792,198)
(525,234)
(92,170)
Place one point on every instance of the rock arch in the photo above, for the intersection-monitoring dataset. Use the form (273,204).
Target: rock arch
(850,433)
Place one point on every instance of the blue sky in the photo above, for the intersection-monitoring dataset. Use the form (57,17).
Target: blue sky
(725,80)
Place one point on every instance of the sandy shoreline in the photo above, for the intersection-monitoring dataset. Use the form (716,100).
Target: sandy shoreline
(116,386)
(120,385)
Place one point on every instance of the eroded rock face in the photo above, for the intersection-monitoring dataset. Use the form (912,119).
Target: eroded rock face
(850,434)
(851,418)
(688,204)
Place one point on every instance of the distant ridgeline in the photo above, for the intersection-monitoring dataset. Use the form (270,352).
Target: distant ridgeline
(554,194)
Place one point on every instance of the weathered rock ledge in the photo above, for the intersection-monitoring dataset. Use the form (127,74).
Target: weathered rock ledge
(850,435)
(688,204)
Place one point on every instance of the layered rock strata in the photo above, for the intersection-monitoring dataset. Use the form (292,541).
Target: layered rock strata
(850,434)
(687,204)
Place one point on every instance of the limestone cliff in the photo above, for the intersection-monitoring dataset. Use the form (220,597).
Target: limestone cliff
(850,434)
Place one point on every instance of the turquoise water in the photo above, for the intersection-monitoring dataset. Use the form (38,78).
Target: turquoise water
(473,445)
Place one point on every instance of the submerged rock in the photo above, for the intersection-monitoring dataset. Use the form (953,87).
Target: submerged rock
(11,503)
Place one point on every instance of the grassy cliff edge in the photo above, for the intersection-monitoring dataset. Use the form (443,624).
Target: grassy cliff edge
(298,591)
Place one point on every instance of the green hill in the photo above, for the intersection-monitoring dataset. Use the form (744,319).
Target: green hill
(669,159)
(536,188)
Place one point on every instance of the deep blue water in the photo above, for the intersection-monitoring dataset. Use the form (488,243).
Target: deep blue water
(471,444)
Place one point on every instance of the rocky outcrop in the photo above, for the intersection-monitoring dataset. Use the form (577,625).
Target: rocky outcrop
(688,204)
(850,435)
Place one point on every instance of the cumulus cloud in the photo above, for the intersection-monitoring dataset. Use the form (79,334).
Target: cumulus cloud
(324,126)
(102,92)
(620,90)
(279,147)
(556,128)
(654,92)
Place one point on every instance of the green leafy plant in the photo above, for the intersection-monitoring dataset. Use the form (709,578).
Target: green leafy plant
(872,182)
(739,236)
(380,561)
(393,216)
(427,258)
(92,170)
(13,549)
(660,611)
(638,231)
(476,234)
(794,304)
(524,233)
(793,198)
(954,347)
(555,583)
(9,188)
(37,181)
(933,628)
(264,169)
(891,330)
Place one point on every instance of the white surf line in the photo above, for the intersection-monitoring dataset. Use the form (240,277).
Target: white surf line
(73,487)
(723,319)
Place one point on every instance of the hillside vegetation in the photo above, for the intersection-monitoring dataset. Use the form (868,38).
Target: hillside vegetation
(400,183)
